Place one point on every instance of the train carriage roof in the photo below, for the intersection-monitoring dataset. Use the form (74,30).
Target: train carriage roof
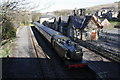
(46,29)
(61,36)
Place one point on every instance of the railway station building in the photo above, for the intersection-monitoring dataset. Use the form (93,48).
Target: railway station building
(83,27)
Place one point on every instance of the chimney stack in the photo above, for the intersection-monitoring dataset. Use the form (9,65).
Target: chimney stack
(81,12)
(75,12)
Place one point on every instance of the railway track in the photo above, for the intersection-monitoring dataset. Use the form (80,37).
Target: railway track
(101,49)
(51,63)
(47,71)
(104,68)
(104,50)
(55,64)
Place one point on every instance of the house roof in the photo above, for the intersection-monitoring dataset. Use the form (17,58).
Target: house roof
(105,22)
(63,20)
(76,21)
(82,21)
(86,19)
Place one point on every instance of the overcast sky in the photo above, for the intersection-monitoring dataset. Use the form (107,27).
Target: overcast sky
(71,4)
(67,4)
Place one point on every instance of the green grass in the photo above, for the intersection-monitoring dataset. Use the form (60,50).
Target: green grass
(6,48)
(114,23)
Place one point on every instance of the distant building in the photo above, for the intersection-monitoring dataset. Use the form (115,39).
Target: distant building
(105,23)
(74,24)
(63,24)
(109,14)
(49,18)
(49,21)
(79,12)
(112,14)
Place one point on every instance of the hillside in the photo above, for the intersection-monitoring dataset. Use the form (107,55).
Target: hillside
(92,10)
(113,6)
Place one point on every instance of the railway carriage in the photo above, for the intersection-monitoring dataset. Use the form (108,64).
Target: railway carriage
(46,32)
(66,49)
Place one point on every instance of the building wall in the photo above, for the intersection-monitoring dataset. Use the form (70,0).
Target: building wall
(105,23)
(89,30)
(76,33)
(70,30)
(55,25)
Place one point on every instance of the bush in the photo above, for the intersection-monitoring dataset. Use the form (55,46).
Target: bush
(8,30)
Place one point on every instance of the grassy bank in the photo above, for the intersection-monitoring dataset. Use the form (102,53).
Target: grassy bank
(6,48)
(113,23)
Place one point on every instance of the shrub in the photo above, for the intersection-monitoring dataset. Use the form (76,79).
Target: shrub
(8,30)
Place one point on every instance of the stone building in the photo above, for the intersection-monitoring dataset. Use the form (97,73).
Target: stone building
(83,27)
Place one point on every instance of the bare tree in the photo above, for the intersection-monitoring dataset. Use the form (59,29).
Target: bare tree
(35,16)
(16,12)
(11,10)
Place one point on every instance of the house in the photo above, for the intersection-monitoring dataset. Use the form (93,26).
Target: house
(63,22)
(74,23)
(49,21)
(83,27)
(49,18)
(105,23)
(56,23)
(101,13)
(112,14)
(109,14)
(90,28)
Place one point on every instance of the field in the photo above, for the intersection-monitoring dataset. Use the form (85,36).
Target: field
(114,23)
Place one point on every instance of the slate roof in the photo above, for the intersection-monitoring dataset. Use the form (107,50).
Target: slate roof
(81,21)
(86,19)
(64,20)
(76,20)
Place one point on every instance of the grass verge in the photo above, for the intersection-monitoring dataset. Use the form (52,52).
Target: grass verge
(6,48)
(114,22)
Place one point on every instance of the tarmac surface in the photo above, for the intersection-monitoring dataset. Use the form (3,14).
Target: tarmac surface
(23,44)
